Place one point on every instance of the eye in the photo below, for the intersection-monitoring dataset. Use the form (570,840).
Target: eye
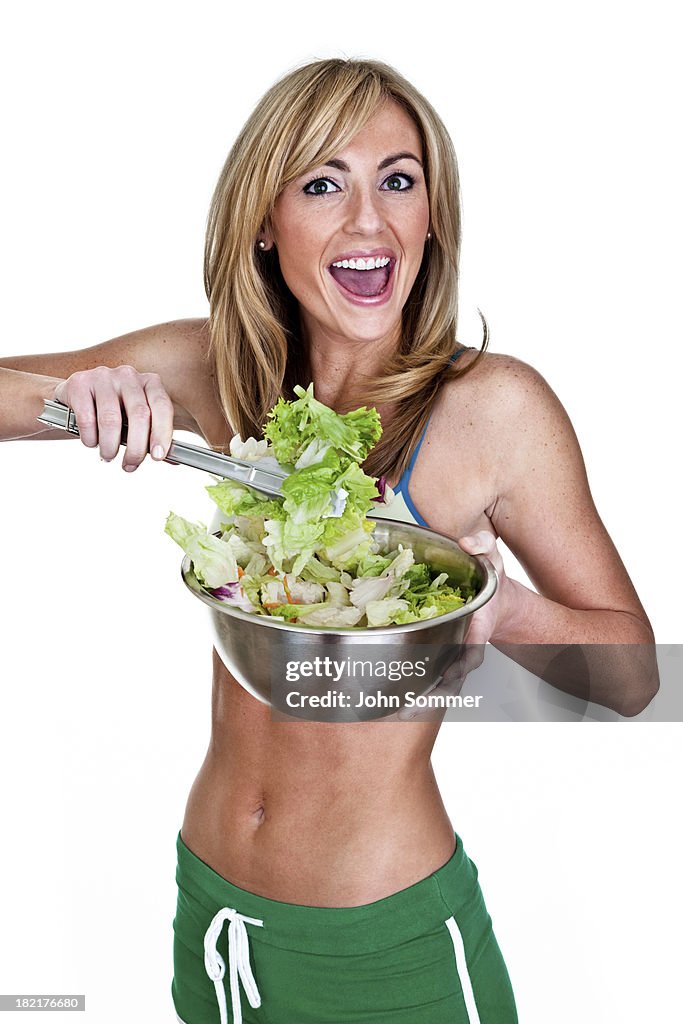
(394,182)
(319,187)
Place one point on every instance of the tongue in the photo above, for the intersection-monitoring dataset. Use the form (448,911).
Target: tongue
(362,282)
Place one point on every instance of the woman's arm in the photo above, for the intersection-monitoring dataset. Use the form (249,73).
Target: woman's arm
(177,351)
(578,632)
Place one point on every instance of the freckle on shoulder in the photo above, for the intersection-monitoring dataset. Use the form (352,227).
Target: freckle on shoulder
(504,385)
(525,373)
(498,370)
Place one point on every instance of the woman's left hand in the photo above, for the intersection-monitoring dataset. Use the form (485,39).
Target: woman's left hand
(482,626)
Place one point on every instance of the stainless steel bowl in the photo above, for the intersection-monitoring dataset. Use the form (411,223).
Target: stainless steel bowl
(260,652)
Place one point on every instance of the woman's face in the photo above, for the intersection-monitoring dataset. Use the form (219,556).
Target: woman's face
(369,201)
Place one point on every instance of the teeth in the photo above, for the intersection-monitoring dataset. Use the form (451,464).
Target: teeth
(371,263)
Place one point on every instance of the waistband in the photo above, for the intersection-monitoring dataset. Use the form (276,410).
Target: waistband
(385,923)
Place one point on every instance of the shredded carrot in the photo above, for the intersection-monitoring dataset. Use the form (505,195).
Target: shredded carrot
(271,571)
(240,571)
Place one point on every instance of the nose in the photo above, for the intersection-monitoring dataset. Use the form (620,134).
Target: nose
(364,212)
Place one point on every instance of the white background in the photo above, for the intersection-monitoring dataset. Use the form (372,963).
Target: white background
(116,121)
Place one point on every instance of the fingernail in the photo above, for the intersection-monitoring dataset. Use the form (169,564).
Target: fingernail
(130,469)
(157,452)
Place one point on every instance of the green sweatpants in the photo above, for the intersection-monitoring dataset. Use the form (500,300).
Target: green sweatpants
(424,955)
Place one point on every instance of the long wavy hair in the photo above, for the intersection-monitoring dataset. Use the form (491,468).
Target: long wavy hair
(256,345)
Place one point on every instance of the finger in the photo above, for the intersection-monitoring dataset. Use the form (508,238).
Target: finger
(483,543)
(480,627)
(78,396)
(412,713)
(472,657)
(161,432)
(453,679)
(449,682)
(139,417)
(409,711)
(109,419)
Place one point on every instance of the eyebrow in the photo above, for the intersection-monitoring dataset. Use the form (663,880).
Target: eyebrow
(341,166)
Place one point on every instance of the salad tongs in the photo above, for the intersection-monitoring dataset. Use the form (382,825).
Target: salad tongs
(242,471)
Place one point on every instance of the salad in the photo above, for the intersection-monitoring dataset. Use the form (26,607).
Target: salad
(310,557)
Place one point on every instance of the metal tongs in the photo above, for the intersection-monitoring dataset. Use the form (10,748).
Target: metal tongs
(242,471)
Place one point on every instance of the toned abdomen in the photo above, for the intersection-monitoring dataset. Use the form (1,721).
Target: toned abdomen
(315,813)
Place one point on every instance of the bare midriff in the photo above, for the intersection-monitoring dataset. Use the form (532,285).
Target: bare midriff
(322,814)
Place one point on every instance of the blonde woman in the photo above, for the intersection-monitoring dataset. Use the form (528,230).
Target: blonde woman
(320,877)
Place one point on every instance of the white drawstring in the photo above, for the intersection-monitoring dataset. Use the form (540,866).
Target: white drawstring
(238,958)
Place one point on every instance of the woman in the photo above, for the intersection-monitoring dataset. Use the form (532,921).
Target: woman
(326,847)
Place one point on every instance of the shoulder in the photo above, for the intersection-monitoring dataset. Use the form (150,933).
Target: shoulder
(500,375)
(510,417)
(502,389)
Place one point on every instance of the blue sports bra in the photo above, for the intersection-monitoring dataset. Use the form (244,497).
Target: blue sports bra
(402,506)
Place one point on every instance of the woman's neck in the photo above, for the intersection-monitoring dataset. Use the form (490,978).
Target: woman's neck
(340,367)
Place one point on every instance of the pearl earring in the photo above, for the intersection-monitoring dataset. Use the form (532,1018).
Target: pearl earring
(429,235)
(261,244)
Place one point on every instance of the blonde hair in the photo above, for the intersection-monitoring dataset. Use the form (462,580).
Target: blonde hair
(256,345)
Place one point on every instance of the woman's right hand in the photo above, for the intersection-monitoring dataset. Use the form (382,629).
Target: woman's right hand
(102,396)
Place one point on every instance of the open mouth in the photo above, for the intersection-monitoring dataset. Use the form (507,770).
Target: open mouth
(364,283)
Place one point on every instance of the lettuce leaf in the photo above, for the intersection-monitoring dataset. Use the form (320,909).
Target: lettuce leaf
(293,425)
(236,499)
(213,560)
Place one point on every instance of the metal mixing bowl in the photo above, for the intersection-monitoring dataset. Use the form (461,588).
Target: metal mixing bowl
(260,651)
